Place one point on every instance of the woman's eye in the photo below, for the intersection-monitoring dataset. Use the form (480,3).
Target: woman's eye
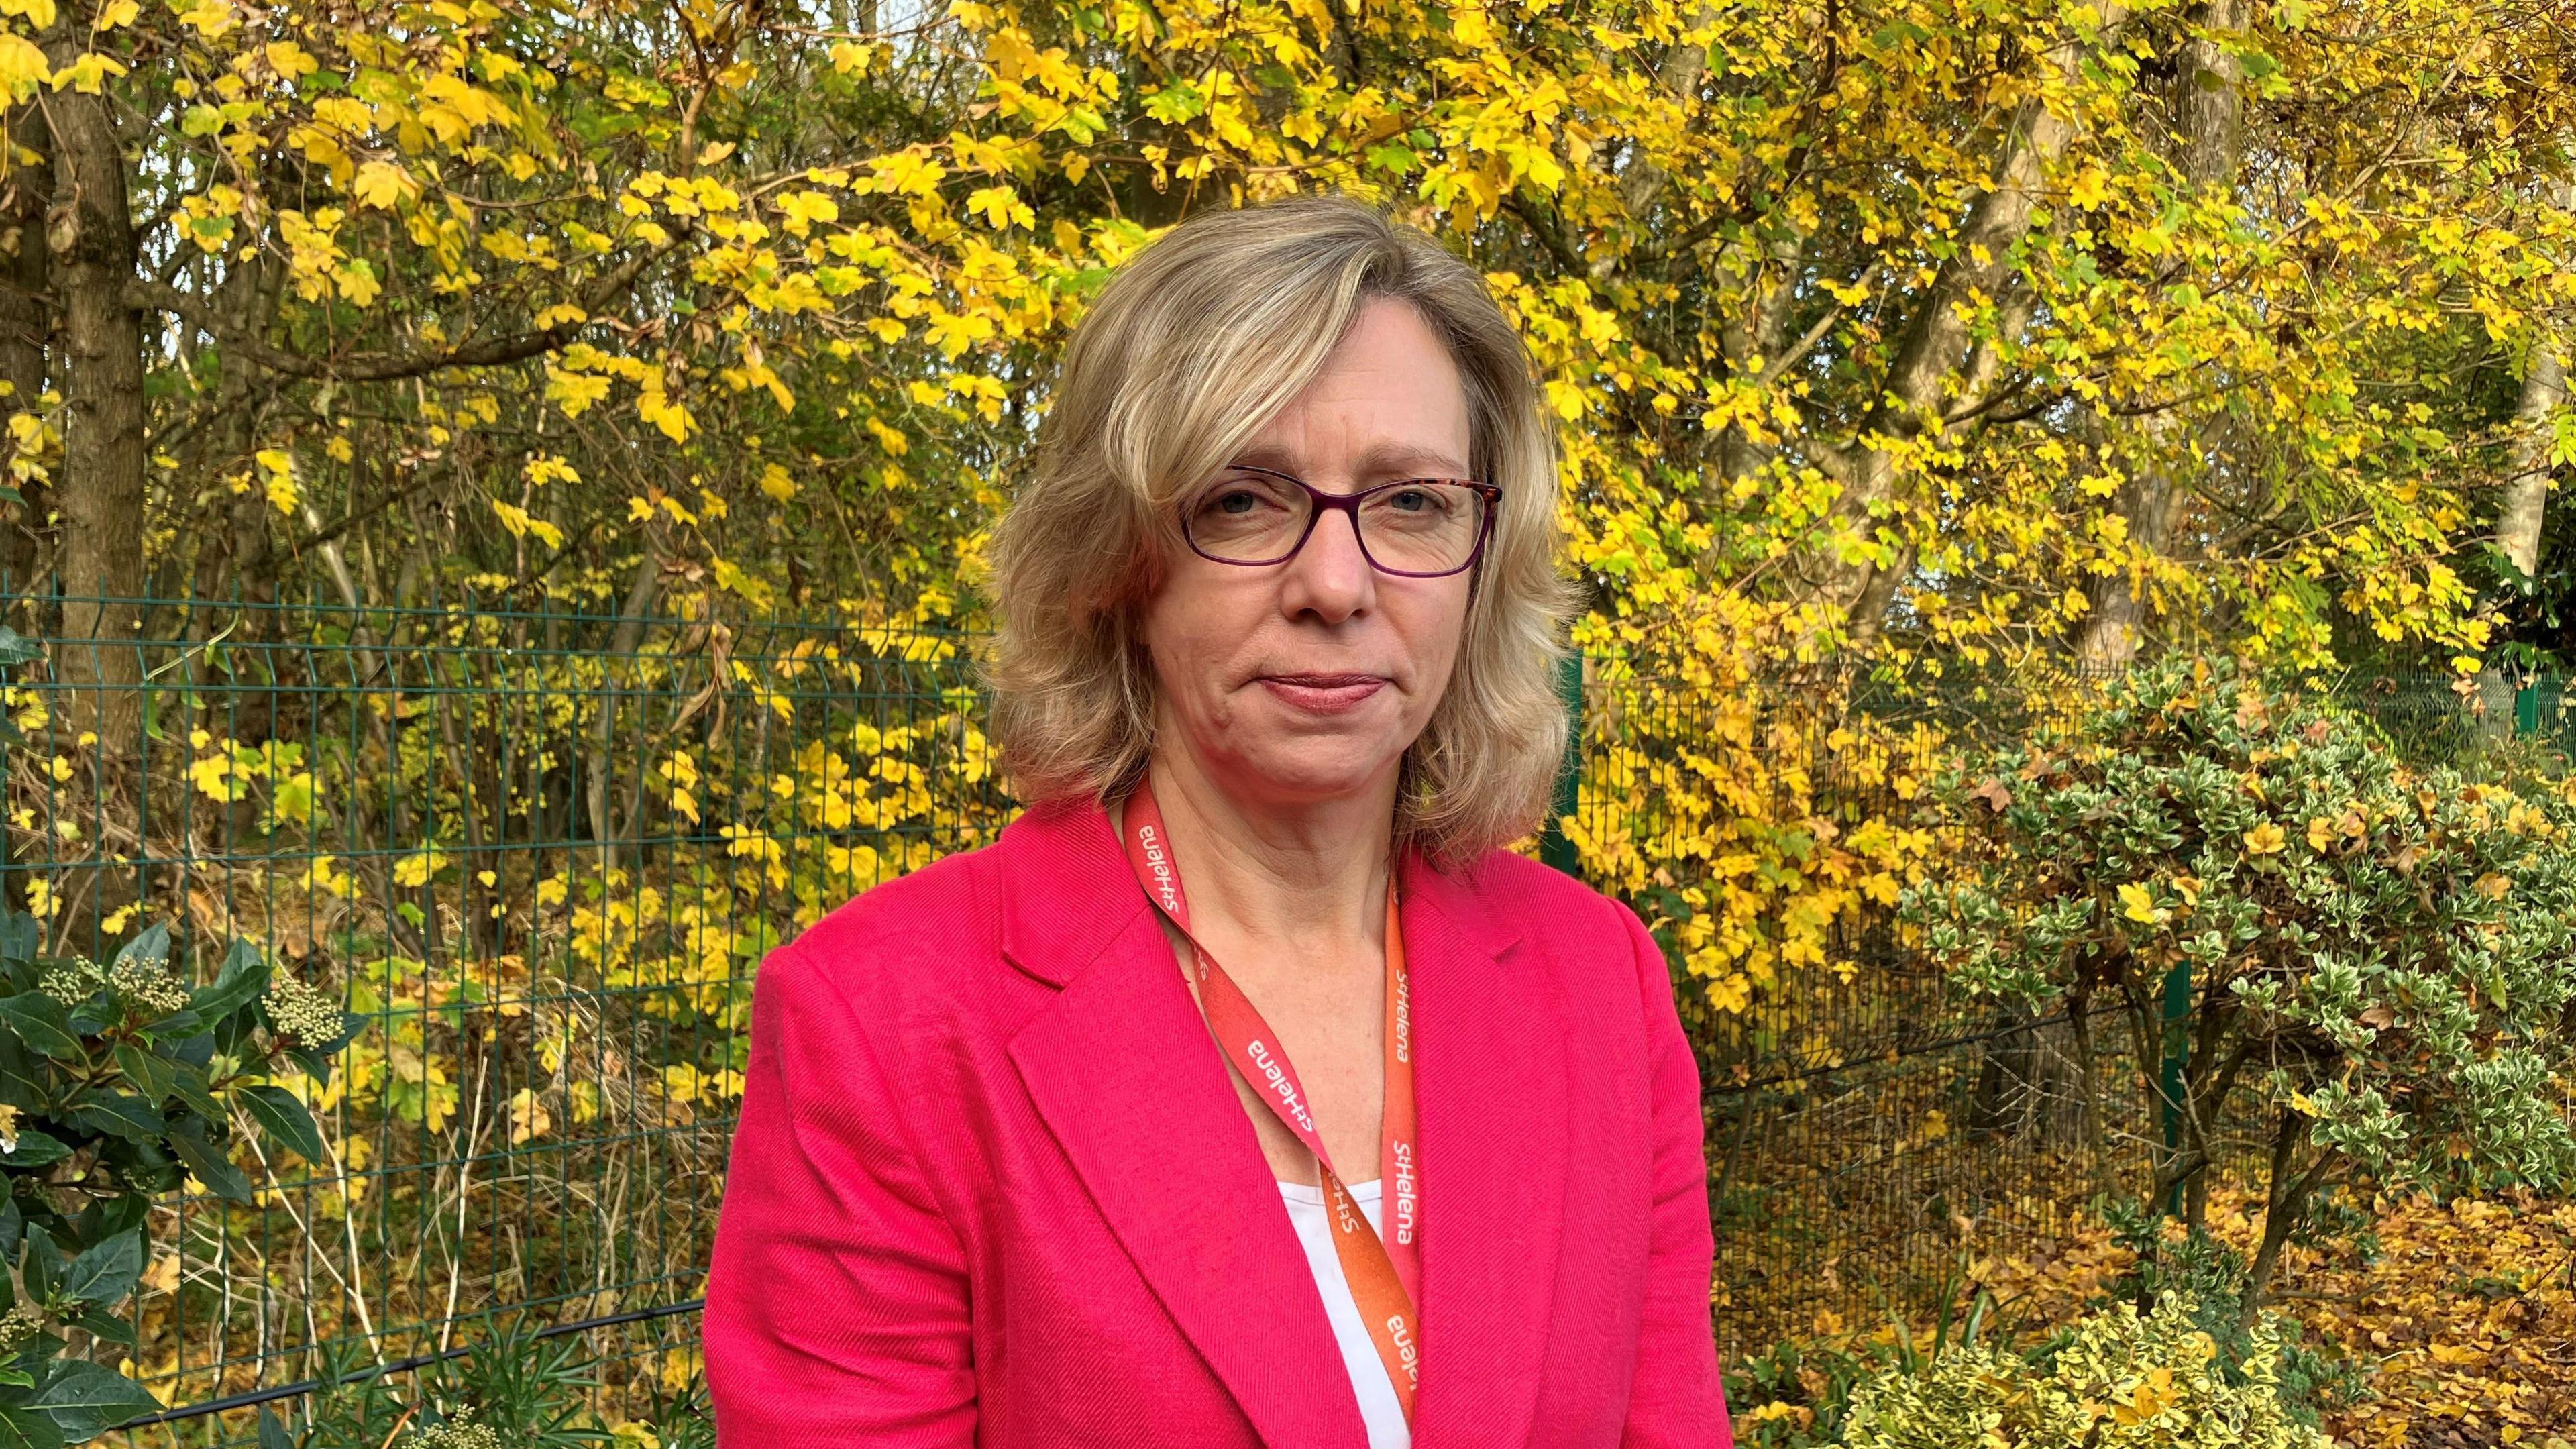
(1239,501)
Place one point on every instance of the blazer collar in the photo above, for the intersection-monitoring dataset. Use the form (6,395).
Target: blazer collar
(1133,1088)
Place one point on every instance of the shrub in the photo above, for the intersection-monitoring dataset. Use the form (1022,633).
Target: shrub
(117,1084)
(2119,1380)
(2375,954)
(513,1390)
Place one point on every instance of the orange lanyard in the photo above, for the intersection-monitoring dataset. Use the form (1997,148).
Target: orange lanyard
(1384,1276)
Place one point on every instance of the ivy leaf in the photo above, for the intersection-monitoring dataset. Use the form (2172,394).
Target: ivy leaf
(283,1119)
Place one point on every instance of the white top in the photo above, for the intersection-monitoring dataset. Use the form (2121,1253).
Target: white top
(1378,1407)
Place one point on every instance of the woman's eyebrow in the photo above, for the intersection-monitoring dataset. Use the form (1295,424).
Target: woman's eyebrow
(1392,460)
(1413,461)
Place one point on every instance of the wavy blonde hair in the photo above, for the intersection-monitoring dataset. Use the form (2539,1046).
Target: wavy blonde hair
(1191,348)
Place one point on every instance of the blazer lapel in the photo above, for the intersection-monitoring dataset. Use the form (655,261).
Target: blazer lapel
(1490,1084)
(1122,1068)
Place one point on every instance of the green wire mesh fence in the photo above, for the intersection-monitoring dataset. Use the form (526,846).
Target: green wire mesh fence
(541,853)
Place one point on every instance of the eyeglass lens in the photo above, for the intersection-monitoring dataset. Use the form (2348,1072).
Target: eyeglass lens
(1420,527)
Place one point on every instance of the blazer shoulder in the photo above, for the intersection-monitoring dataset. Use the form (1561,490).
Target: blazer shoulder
(1540,899)
(901,935)
(1595,947)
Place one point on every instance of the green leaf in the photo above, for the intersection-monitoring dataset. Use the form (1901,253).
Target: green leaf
(29,1429)
(177,1026)
(19,937)
(283,1119)
(102,1324)
(41,1023)
(210,1165)
(243,977)
(35,1149)
(272,1434)
(86,1398)
(107,1271)
(152,1077)
(119,1114)
(43,1264)
(189,1086)
(16,648)
(149,949)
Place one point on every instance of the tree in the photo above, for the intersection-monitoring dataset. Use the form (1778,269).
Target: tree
(1910,321)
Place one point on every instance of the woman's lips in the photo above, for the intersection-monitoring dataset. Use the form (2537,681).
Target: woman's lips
(1323,693)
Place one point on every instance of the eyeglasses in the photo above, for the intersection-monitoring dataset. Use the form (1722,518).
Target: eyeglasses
(1421,528)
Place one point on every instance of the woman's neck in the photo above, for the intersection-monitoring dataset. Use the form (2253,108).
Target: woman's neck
(1311,874)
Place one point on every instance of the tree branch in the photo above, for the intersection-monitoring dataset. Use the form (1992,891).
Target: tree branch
(386,366)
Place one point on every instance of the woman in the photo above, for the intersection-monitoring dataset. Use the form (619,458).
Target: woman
(1243,1092)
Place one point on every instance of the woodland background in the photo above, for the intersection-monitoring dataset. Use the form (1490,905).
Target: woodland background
(505,364)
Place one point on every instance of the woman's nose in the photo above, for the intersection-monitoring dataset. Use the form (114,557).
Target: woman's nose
(1331,576)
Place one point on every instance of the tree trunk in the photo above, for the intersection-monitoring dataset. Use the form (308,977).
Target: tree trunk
(1940,339)
(100,490)
(2209,109)
(2526,488)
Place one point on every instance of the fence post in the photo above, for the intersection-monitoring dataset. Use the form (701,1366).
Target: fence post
(2177,1014)
(1553,848)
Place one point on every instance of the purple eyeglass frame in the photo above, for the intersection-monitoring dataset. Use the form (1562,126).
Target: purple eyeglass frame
(1350,503)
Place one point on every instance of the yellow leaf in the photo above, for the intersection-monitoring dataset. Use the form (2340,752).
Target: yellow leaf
(574,392)
(384,185)
(1002,207)
(528,1116)
(22,65)
(416,869)
(87,73)
(211,17)
(2266,839)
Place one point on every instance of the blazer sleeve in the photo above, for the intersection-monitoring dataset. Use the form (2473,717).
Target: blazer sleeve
(1678,1397)
(837,1300)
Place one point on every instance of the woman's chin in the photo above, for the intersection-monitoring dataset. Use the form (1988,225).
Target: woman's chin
(1300,773)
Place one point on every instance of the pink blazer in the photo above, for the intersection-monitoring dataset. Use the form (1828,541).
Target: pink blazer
(991,1185)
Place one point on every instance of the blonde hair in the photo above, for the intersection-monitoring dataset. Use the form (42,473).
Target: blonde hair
(1188,352)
